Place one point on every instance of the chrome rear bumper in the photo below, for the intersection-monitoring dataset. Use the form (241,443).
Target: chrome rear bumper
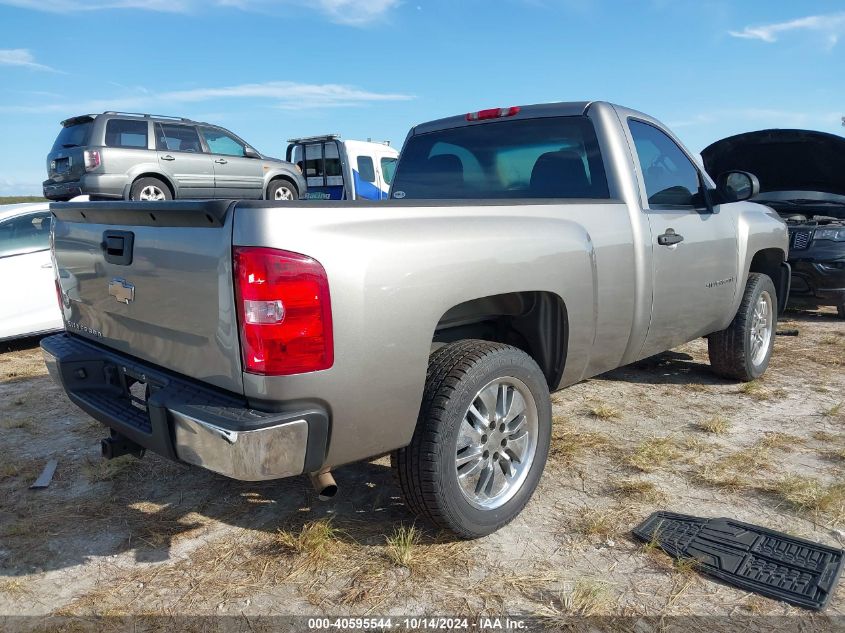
(186,421)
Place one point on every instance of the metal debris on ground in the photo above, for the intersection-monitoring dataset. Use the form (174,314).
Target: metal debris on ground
(46,475)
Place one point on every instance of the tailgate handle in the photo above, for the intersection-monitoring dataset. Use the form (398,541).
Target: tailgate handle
(117,247)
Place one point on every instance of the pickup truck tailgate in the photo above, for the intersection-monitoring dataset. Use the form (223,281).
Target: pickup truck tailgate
(153,280)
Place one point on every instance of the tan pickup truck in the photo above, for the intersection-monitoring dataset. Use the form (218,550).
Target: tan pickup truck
(522,250)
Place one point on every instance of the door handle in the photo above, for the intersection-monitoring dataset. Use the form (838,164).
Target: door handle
(50,265)
(669,238)
(168,157)
(221,161)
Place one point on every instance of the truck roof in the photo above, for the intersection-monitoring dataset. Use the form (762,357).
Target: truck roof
(563,108)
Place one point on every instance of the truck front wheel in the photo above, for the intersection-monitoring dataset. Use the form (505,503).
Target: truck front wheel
(481,439)
(743,349)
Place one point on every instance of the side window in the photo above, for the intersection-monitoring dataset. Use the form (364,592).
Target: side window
(25,234)
(366,168)
(177,138)
(388,168)
(126,133)
(221,143)
(670,177)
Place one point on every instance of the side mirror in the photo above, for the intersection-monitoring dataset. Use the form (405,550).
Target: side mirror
(735,186)
(251,153)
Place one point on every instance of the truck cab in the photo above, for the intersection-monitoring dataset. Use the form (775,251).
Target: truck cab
(343,170)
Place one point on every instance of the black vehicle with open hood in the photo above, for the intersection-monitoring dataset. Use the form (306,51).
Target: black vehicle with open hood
(802,177)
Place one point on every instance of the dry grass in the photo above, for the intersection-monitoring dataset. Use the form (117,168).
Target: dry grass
(604,411)
(652,454)
(323,562)
(834,411)
(716,424)
(835,340)
(13,587)
(603,522)
(18,468)
(811,495)
(756,390)
(18,423)
(685,566)
(97,470)
(587,598)
(737,471)
(836,454)
(314,541)
(775,440)
(568,443)
(402,546)
(638,490)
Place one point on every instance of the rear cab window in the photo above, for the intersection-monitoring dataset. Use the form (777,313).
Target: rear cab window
(127,133)
(553,157)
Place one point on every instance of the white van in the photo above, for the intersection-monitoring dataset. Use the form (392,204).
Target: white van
(343,170)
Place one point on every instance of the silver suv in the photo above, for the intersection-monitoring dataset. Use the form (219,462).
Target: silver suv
(119,155)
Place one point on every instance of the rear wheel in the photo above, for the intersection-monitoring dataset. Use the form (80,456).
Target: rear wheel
(150,190)
(282,191)
(743,349)
(481,440)
(840,310)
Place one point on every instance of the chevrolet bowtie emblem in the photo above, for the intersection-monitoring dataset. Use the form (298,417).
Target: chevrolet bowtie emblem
(122,290)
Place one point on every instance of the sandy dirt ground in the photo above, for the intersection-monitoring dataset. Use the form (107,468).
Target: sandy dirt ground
(150,536)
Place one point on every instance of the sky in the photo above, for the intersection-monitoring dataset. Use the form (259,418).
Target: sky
(270,70)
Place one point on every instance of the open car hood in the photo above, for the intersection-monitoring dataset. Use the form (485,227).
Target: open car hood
(783,160)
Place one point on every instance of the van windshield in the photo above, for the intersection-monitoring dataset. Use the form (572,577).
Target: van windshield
(555,157)
(73,135)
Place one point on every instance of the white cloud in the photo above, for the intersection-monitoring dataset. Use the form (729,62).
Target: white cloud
(351,12)
(830,27)
(287,95)
(21,57)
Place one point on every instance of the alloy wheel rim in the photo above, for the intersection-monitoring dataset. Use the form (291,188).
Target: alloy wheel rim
(151,192)
(761,327)
(283,193)
(496,443)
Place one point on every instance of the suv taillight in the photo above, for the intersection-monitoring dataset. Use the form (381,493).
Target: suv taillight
(284,310)
(92,159)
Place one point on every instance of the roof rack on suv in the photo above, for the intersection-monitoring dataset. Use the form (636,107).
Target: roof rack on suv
(311,139)
(147,116)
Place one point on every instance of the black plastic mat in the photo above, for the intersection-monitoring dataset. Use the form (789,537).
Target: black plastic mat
(750,557)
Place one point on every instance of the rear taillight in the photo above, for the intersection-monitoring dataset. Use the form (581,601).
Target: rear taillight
(92,159)
(284,311)
(492,113)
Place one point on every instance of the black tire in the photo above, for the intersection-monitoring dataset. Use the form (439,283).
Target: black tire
(840,310)
(731,350)
(427,468)
(143,187)
(282,190)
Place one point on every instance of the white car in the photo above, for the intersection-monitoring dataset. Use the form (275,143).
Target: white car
(27,286)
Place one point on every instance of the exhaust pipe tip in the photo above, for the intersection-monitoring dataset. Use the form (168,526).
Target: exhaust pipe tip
(324,484)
